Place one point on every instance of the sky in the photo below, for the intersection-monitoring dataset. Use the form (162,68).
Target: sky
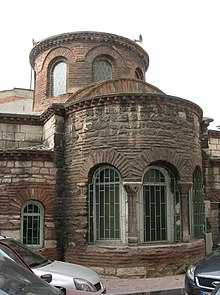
(181,38)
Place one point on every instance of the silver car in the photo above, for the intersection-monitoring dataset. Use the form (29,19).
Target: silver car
(15,279)
(67,275)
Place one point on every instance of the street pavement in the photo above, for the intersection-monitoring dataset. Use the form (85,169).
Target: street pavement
(173,285)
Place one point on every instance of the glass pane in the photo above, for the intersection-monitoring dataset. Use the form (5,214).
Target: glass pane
(154,206)
(59,79)
(154,176)
(36,209)
(102,70)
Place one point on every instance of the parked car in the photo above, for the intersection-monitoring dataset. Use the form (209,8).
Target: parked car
(203,277)
(16,280)
(9,252)
(67,275)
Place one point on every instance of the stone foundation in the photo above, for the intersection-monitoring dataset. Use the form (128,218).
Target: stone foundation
(141,261)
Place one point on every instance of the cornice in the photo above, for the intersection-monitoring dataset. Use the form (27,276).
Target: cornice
(86,36)
(64,109)
(214,133)
(31,119)
(133,98)
(215,159)
(27,154)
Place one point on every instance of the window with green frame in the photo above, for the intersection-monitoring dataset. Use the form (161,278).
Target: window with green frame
(196,207)
(104,205)
(160,207)
(32,220)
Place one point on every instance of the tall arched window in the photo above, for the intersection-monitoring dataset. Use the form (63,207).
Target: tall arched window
(160,208)
(102,70)
(32,220)
(106,213)
(196,207)
(59,79)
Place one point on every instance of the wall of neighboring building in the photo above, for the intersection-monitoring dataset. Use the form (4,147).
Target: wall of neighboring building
(19,136)
(17,100)
(214,144)
(211,166)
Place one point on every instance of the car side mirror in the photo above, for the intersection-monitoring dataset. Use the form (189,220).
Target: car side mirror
(47,277)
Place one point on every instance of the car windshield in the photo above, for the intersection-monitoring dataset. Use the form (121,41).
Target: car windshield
(29,256)
(216,291)
(16,280)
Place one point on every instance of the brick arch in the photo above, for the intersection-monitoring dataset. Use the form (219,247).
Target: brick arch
(35,194)
(111,87)
(185,167)
(109,156)
(105,51)
(214,196)
(64,52)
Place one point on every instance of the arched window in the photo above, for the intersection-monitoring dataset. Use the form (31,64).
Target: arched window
(139,74)
(32,220)
(218,220)
(59,79)
(160,218)
(106,205)
(196,207)
(102,70)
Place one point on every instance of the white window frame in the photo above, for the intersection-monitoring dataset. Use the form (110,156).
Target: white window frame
(123,214)
(169,205)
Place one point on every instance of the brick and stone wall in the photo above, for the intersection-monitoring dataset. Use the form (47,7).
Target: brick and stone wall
(130,133)
(211,166)
(124,122)
(142,261)
(28,172)
(80,52)
(18,135)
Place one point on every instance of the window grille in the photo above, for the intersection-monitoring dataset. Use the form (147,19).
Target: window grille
(160,218)
(218,219)
(32,224)
(102,70)
(104,205)
(59,79)
(196,208)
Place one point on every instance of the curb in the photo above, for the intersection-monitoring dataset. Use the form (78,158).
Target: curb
(179,291)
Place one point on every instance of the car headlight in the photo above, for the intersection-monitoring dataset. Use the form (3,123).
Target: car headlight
(191,272)
(83,285)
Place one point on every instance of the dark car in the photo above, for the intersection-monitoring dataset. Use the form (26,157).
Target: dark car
(203,277)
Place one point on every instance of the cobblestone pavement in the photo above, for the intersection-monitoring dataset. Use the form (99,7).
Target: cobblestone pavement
(129,286)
